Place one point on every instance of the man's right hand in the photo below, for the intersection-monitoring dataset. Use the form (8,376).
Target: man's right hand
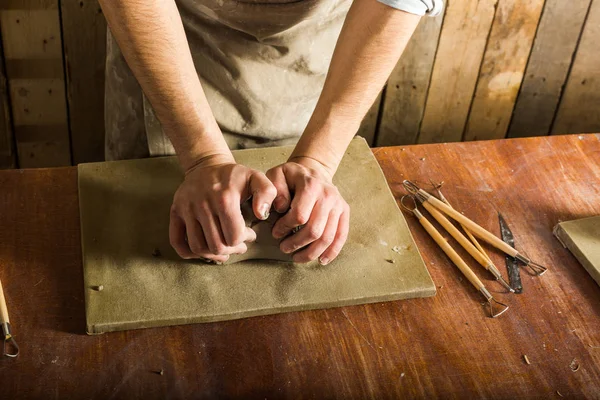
(206,218)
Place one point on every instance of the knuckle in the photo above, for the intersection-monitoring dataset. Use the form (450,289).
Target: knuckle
(331,192)
(300,217)
(271,190)
(272,173)
(313,232)
(346,208)
(235,239)
(311,183)
(218,249)
(328,238)
(222,198)
(202,207)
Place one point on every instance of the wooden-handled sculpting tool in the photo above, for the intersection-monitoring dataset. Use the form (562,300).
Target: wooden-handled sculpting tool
(8,337)
(471,244)
(477,230)
(453,255)
(466,244)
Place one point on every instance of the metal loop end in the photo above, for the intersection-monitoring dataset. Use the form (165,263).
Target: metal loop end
(537,269)
(410,187)
(10,342)
(503,307)
(405,207)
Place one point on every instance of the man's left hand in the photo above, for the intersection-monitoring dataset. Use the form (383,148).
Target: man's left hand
(307,196)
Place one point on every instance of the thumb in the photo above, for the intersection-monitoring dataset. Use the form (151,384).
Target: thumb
(263,193)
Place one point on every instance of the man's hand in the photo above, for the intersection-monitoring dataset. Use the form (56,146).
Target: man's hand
(206,219)
(315,204)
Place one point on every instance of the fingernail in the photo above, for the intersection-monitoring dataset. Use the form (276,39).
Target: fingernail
(264,211)
(324,260)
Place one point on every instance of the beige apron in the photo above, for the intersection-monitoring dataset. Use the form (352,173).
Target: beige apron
(262,64)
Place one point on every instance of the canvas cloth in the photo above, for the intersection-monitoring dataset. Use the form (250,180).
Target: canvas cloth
(124,208)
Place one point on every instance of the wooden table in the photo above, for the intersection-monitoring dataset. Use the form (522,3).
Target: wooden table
(443,346)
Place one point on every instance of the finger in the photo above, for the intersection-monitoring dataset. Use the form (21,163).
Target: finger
(283,199)
(199,247)
(231,220)
(315,249)
(197,243)
(263,194)
(177,237)
(340,238)
(310,232)
(298,214)
(249,235)
(212,233)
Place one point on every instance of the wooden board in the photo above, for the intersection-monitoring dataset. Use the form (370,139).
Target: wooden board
(578,108)
(84,43)
(33,54)
(408,84)
(501,74)
(551,56)
(125,215)
(368,126)
(438,347)
(456,68)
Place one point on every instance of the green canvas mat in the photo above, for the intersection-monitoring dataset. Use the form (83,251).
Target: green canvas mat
(124,208)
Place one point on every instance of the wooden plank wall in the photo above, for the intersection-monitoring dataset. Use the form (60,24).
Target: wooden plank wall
(7,152)
(84,44)
(31,40)
(484,69)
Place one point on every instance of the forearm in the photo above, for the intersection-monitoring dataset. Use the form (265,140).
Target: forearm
(370,43)
(151,36)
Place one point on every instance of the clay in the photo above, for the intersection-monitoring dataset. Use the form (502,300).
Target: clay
(265,247)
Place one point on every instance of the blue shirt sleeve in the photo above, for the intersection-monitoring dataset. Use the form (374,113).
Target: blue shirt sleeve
(418,7)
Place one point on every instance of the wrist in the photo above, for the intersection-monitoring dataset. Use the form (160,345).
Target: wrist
(209,160)
(197,148)
(313,164)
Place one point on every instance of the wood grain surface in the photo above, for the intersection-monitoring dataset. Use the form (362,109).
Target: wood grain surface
(84,45)
(551,56)
(406,91)
(442,347)
(31,39)
(7,152)
(502,68)
(455,70)
(578,108)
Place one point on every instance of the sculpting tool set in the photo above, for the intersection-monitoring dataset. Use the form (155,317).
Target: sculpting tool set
(440,209)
